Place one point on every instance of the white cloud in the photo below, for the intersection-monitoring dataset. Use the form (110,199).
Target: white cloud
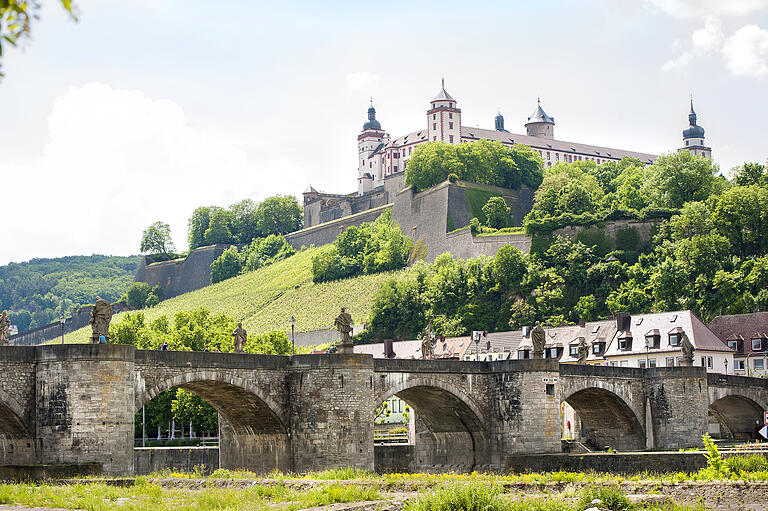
(707,8)
(116,161)
(746,52)
(360,80)
(704,41)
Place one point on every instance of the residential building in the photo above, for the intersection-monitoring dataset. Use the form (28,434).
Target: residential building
(562,342)
(747,336)
(493,346)
(654,340)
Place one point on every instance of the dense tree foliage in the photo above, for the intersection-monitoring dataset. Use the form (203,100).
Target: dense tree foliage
(484,162)
(244,221)
(261,252)
(141,295)
(371,248)
(711,256)
(37,292)
(497,213)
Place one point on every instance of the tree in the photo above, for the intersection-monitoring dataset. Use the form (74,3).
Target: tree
(190,408)
(197,225)
(397,311)
(751,174)
(681,177)
(136,296)
(741,215)
(497,213)
(16,19)
(156,239)
(245,226)
(219,228)
(280,214)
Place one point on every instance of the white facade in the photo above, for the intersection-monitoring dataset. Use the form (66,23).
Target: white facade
(380,156)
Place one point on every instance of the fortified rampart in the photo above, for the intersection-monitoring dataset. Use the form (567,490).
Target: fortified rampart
(77,403)
(181,276)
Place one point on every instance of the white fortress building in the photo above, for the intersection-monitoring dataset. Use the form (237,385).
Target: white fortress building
(382,160)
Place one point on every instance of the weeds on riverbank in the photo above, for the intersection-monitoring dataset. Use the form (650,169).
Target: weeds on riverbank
(144,496)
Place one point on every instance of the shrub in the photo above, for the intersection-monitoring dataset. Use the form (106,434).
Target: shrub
(475,227)
(611,497)
(628,239)
(136,296)
(497,213)
(226,266)
(467,497)
(600,242)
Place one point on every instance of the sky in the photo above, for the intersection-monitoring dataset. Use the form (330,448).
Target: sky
(145,110)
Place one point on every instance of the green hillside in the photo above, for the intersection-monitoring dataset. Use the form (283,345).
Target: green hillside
(266,298)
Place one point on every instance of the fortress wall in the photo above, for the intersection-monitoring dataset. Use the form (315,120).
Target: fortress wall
(326,233)
(182,275)
(611,228)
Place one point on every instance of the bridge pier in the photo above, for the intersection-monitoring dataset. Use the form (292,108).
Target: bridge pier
(331,411)
(85,396)
(678,399)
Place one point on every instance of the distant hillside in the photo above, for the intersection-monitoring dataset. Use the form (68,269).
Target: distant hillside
(36,291)
(267,298)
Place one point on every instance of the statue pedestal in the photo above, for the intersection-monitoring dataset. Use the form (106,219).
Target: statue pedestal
(537,354)
(345,348)
(686,362)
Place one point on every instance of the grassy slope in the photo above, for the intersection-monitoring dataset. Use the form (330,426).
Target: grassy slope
(265,299)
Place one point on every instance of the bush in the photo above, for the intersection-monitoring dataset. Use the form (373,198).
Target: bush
(497,213)
(611,497)
(600,242)
(465,497)
(474,226)
(226,266)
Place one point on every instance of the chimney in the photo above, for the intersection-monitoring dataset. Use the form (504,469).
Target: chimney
(582,322)
(389,351)
(623,320)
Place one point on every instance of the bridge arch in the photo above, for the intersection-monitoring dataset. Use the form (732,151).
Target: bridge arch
(16,443)
(253,432)
(450,427)
(736,413)
(607,418)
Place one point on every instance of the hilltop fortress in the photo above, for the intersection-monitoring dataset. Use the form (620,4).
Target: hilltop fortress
(437,215)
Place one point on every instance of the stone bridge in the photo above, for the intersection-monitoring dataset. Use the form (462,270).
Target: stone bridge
(76,404)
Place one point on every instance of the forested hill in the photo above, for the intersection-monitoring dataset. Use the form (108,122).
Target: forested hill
(35,292)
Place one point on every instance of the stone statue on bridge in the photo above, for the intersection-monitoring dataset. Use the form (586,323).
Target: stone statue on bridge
(241,337)
(345,325)
(428,343)
(5,326)
(539,339)
(687,348)
(583,351)
(101,316)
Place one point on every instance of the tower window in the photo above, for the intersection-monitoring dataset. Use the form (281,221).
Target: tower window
(434,125)
(434,116)
(450,116)
(686,142)
(450,125)
(450,138)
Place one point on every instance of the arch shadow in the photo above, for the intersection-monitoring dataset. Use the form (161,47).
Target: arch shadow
(253,435)
(737,415)
(17,445)
(608,419)
(449,430)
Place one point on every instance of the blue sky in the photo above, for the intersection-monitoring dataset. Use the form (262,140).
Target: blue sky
(144,110)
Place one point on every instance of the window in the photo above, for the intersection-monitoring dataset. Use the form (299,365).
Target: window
(550,390)
(548,155)
(614,364)
(557,156)
(625,343)
(434,125)
(597,348)
(450,116)
(670,361)
(553,353)
(738,364)
(652,362)
(524,354)
(709,362)
(650,341)
(410,149)
(434,116)
(757,363)
(395,168)
(641,364)
(674,339)
(450,125)
(734,345)
(624,363)
(574,351)
(686,142)
(434,139)
(757,345)
(450,138)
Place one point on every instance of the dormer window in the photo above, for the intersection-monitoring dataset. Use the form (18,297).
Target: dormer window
(757,344)
(574,351)
(522,354)
(598,348)
(675,338)
(734,345)
(625,343)
(653,339)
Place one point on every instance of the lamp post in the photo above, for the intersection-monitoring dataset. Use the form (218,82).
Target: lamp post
(293,342)
(62,320)
(726,365)
(647,350)
(476,338)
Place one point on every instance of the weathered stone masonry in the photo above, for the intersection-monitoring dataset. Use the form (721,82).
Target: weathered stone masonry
(76,404)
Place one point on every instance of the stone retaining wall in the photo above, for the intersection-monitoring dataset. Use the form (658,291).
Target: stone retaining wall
(147,460)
